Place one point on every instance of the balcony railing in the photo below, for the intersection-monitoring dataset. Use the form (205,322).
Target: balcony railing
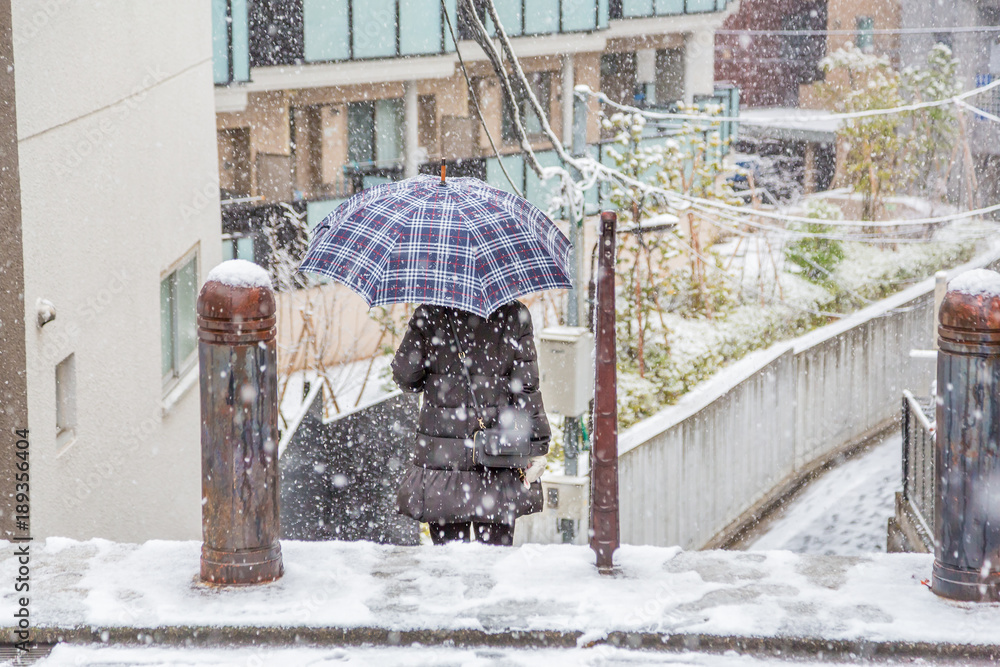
(269,32)
(644,8)
(919,492)
(362,29)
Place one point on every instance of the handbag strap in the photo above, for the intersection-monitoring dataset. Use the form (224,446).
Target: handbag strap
(465,370)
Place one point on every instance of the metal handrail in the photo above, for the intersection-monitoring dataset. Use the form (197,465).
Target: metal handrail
(919,489)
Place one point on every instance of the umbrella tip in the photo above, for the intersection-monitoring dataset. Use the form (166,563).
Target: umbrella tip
(444,168)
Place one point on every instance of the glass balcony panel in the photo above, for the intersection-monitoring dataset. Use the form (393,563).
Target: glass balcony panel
(672,7)
(244,249)
(449,43)
(603,13)
(372,181)
(579,15)
(360,133)
(419,27)
(541,16)
(632,8)
(220,42)
(515,168)
(540,192)
(696,6)
(388,132)
(374,28)
(327,32)
(720,5)
(510,15)
(241,41)
(317,210)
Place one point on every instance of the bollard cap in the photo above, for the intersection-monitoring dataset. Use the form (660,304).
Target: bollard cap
(970,311)
(236,302)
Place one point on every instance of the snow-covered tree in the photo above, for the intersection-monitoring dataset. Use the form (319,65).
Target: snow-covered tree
(873,144)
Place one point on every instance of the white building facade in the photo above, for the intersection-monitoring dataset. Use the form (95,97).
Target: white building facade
(120,224)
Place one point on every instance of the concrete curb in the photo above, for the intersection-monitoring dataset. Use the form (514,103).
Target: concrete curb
(236,636)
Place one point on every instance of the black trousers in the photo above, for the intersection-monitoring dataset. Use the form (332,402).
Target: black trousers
(498,534)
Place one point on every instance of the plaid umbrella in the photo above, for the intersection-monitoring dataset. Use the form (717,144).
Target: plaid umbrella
(462,244)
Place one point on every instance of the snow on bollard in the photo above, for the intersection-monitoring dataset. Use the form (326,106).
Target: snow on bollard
(239,426)
(967,515)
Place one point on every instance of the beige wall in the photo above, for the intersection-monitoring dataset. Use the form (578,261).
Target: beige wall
(843,15)
(119,181)
(267,114)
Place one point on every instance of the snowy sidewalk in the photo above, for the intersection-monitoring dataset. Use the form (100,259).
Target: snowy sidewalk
(351,593)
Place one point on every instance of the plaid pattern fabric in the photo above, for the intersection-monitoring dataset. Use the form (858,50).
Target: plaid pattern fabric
(465,244)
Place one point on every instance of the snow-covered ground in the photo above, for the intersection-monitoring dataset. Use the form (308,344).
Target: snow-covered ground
(95,585)
(844,511)
(424,656)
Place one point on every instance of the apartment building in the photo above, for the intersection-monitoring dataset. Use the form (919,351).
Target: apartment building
(104,249)
(317,99)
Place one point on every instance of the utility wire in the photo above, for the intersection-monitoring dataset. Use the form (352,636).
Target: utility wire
(763,120)
(877,31)
(475,100)
(856,238)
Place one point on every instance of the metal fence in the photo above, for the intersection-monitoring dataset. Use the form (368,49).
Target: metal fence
(918,463)
(700,469)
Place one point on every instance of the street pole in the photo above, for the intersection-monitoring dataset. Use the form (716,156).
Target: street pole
(604,453)
(572,426)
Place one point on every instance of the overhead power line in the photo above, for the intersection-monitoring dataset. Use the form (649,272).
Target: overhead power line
(805,118)
(877,31)
(475,101)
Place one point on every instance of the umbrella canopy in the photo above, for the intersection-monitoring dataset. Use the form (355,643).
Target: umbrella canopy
(463,244)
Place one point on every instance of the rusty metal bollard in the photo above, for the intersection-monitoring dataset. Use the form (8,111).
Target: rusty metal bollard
(605,537)
(239,426)
(967,447)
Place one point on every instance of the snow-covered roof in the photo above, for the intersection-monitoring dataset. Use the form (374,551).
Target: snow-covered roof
(789,123)
(240,273)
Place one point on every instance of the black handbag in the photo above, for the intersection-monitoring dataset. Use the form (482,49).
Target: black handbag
(507,445)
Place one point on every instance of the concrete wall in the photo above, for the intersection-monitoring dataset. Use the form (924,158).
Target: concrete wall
(701,471)
(117,141)
(697,472)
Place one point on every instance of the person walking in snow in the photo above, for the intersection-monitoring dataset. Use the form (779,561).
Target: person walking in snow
(446,486)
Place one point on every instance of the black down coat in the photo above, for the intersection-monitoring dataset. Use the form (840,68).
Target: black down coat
(444,484)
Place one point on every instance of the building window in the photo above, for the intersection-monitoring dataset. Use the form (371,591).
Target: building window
(178,328)
(540,83)
(866,33)
(66,400)
(375,133)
